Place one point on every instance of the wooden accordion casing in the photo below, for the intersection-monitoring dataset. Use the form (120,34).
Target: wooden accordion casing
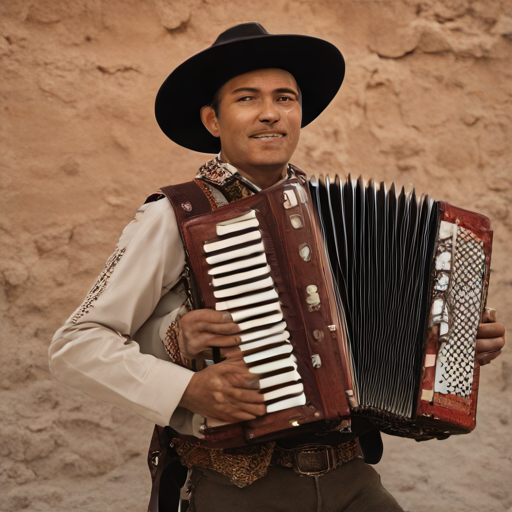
(319,327)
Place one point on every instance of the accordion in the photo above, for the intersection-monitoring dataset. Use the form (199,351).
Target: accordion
(353,301)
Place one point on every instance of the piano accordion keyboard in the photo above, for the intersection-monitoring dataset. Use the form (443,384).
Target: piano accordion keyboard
(241,278)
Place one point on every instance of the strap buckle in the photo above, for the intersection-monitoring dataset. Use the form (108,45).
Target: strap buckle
(314,460)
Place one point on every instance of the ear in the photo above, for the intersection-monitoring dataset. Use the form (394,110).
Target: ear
(209,120)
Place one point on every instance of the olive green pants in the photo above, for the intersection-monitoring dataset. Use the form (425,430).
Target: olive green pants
(353,487)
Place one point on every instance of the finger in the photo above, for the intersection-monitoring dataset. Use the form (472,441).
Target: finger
(486,357)
(231,414)
(240,377)
(489,345)
(233,353)
(225,329)
(207,315)
(491,330)
(222,341)
(489,315)
(246,396)
(250,408)
(239,410)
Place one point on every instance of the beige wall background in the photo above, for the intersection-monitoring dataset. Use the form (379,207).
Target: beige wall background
(427,100)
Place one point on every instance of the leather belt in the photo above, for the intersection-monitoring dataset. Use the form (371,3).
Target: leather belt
(316,459)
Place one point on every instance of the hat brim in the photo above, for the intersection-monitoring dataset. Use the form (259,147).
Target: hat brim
(317,66)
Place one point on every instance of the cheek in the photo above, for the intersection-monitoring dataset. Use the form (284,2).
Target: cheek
(294,115)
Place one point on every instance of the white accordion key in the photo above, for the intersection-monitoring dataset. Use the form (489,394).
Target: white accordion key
(245,301)
(242,276)
(273,366)
(266,320)
(239,265)
(245,288)
(282,378)
(295,401)
(252,345)
(271,352)
(231,242)
(237,253)
(294,389)
(251,214)
(249,294)
(260,310)
(261,334)
(239,226)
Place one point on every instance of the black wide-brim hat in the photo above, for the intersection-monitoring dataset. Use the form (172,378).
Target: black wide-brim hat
(317,66)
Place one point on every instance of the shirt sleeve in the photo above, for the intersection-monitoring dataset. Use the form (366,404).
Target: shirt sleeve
(95,351)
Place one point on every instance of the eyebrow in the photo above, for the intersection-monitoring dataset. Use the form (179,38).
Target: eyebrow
(254,89)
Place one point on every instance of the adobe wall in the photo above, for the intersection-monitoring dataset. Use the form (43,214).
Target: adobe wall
(426,100)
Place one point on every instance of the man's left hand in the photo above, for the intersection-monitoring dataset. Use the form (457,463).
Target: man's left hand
(490,340)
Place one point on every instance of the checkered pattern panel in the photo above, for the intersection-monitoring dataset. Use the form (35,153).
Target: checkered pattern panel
(456,357)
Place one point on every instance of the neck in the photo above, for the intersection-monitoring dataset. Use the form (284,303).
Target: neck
(262,176)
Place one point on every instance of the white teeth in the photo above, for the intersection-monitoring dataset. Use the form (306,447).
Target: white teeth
(267,136)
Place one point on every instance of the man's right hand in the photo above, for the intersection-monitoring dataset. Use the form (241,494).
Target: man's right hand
(226,391)
(202,329)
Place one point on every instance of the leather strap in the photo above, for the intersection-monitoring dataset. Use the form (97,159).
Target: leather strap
(188,200)
(167,473)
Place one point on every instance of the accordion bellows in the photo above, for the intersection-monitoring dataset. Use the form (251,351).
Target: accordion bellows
(353,300)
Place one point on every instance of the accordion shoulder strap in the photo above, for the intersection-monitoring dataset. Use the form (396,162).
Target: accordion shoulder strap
(188,200)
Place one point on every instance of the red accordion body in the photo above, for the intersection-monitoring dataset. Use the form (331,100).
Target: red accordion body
(302,321)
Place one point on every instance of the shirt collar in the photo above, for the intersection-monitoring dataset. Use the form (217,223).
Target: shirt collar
(221,173)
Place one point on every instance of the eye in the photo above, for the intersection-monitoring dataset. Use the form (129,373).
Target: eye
(245,99)
(285,98)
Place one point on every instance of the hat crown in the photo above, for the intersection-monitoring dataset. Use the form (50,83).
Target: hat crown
(251,29)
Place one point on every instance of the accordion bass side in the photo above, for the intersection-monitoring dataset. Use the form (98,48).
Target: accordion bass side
(352,302)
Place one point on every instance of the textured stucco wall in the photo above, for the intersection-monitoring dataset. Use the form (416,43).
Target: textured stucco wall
(427,100)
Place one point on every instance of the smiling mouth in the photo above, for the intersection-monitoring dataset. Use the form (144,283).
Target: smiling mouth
(268,136)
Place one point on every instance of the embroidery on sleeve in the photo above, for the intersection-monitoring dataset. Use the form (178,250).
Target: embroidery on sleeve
(99,285)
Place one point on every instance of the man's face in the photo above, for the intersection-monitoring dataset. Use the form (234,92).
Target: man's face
(259,119)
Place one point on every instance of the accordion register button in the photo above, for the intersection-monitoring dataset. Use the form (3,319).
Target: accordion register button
(443,261)
(296,221)
(316,361)
(318,334)
(290,199)
(305,252)
(313,298)
(442,282)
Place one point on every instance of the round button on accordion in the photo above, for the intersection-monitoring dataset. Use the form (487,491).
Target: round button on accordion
(353,300)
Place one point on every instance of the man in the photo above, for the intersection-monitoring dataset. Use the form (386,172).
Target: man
(132,340)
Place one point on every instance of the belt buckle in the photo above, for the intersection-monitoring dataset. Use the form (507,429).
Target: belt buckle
(314,460)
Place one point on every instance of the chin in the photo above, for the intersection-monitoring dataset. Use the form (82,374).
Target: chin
(270,160)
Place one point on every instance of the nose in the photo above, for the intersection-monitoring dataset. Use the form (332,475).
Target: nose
(269,112)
